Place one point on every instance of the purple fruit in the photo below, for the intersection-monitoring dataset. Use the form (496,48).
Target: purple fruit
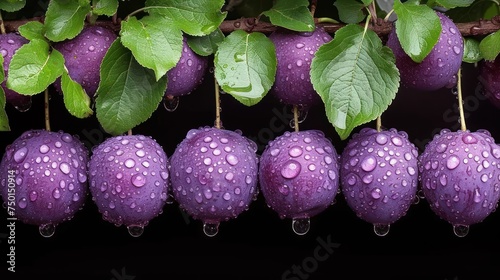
(43,175)
(379,176)
(188,74)
(214,175)
(489,77)
(294,53)
(298,176)
(9,44)
(83,56)
(128,180)
(460,177)
(439,68)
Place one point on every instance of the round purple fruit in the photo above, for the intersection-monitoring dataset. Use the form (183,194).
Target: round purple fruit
(439,68)
(379,176)
(298,176)
(294,53)
(460,177)
(489,77)
(128,180)
(43,178)
(214,175)
(83,56)
(9,44)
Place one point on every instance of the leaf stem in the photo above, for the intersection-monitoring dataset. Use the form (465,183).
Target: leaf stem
(463,126)
(217,104)
(296,118)
(326,20)
(2,26)
(142,10)
(386,18)
(46,109)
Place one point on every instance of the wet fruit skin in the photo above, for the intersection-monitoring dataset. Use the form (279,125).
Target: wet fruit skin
(294,53)
(214,174)
(9,44)
(128,178)
(187,74)
(50,174)
(298,174)
(379,174)
(439,68)
(460,175)
(489,77)
(83,56)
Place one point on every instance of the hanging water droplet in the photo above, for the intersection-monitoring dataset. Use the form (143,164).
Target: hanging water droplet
(47,230)
(135,230)
(461,230)
(301,226)
(210,229)
(171,103)
(381,229)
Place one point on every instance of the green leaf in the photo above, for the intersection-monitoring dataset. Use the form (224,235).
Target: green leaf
(245,66)
(12,5)
(478,10)
(154,42)
(293,15)
(367,2)
(128,93)
(206,45)
(449,4)
(195,17)
(104,7)
(34,67)
(65,18)
(356,77)
(32,30)
(76,100)
(490,46)
(350,11)
(4,119)
(472,54)
(418,29)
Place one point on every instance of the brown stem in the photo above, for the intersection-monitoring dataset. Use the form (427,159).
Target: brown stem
(382,28)
(46,110)
(312,8)
(217,104)
(296,117)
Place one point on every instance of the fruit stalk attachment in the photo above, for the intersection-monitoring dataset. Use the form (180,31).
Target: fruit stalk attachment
(2,26)
(217,104)
(46,110)
(296,118)
(463,126)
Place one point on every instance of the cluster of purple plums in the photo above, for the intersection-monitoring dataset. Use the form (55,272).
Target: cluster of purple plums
(215,174)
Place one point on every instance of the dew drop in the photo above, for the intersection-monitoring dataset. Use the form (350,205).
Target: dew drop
(301,225)
(47,230)
(232,159)
(369,163)
(138,180)
(33,196)
(376,193)
(20,155)
(284,189)
(44,149)
(129,163)
(452,162)
(171,103)
(381,229)
(295,151)
(56,193)
(291,169)
(210,229)
(460,230)
(135,230)
(64,167)
(23,203)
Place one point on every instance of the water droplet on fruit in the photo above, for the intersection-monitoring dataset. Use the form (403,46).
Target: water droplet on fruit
(381,139)
(376,193)
(20,155)
(170,103)
(56,193)
(33,196)
(295,151)
(23,203)
(469,139)
(381,229)
(461,230)
(47,230)
(64,167)
(138,180)
(231,159)
(369,163)
(301,226)
(452,162)
(44,149)
(4,52)
(456,50)
(291,169)
(135,230)
(210,229)
(299,62)
(129,163)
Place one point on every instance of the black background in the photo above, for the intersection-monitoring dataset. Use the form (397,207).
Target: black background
(258,244)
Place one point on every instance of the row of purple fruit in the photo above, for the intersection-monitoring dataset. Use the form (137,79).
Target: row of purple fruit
(214,175)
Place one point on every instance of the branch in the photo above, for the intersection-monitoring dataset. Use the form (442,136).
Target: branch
(381,27)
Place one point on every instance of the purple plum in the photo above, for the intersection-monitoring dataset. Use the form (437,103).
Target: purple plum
(294,53)
(298,175)
(460,177)
(83,56)
(214,175)
(489,77)
(439,68)
(43,176)
(128,178)
(379,176)
(9,44)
